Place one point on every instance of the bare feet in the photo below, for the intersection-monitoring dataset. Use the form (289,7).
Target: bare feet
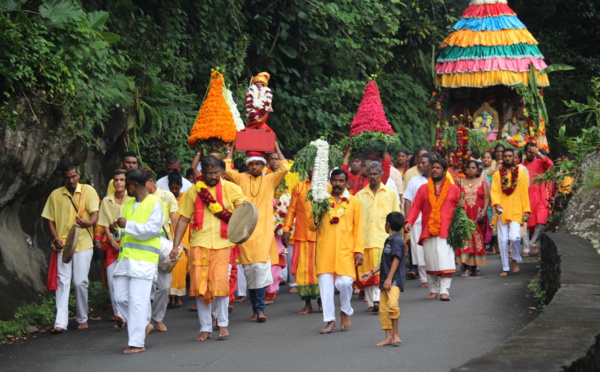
(504,273)
(261,318)
(120,321)
(397,341)
(83,326)
(356,291)
(293,290)
(445,297)
(241,299)
(134,350)
(253,318)
(346,323)
(203,336)
(525,254)
(431,296)
(307,310)
(160,326)
(268,302)
(515,267)
(149,328)
(387,341)
(424,285)
(178,302)
(535,249)
(223,333)
(58,330)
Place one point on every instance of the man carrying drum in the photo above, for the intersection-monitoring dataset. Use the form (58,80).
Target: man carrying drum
(207,208)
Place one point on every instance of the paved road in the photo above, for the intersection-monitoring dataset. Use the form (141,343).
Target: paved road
(437,335)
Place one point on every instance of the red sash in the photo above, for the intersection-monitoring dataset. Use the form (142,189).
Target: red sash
(199,204)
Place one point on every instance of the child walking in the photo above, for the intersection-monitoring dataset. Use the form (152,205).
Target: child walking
(392,272)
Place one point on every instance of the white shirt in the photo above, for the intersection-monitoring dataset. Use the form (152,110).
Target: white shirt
(413,186)
(392,185)
(142,231)
(163,183)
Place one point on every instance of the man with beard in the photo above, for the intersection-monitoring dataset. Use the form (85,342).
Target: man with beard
(510,199)
(416,249)
(377,201)
(259,252)
(303,261)
(211,249)
(436,201)
(139,228)
(339,249)
(72,204)
(536,164)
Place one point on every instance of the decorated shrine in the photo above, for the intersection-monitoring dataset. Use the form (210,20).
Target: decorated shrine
(490,76)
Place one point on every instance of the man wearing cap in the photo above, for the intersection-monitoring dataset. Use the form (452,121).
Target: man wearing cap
(139,230)
(259,251)
(74,204)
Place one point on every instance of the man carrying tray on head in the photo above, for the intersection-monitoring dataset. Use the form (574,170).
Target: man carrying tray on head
(209,205)
(260,250)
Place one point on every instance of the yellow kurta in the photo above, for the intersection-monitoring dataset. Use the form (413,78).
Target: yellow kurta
(515,204)
(337,243)
(59,209)
(110,189)
(210,235)
(169,206)
(179,273)
(260,191)
(110,210)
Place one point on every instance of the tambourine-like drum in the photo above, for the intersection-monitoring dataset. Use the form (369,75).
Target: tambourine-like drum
(70,244)
(242,223)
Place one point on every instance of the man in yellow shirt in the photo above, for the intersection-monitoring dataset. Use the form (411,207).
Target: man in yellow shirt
(377,201)
(73,204)
(339,249)
(211,249)
(259,252)
(510,199)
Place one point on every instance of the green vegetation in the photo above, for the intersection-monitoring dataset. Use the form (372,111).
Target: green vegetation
(538,293)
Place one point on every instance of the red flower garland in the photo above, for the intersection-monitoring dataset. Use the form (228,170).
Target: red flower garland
(208,199)
(509,187)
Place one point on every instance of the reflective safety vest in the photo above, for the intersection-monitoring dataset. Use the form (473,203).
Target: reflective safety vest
(141,250)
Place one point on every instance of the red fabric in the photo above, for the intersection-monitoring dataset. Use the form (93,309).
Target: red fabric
(255,153)
(52,282)
(487,10)
(475,244)
(260,123)
(111,254)
(198,218)
(235,254)
(357,183)
(421,205)
(538,194)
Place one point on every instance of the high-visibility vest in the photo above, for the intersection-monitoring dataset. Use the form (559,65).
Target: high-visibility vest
(141,250)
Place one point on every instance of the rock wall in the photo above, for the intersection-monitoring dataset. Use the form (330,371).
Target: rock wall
(29,156)
(582,216)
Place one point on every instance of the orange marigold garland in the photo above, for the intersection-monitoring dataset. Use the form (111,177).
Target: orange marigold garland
(214,118)
(436,202)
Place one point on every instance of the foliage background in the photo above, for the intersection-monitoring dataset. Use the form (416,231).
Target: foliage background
(319,54)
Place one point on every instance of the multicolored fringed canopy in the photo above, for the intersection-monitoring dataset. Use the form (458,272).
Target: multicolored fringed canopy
(490,46)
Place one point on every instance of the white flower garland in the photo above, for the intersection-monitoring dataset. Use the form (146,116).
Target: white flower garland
(321,169)
(237,119)
(260,97)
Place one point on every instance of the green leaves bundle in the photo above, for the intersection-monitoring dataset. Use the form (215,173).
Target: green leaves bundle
(305,159)
(461,228)
(372,143)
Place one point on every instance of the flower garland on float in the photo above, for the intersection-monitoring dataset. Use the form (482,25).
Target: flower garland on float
(435,219)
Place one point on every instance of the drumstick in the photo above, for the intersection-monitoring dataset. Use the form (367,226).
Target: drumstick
(177,259)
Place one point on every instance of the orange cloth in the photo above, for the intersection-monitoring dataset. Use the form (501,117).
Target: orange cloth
(298,210)
(179,273)
(337,243)
(260,191)
(209,272)
(515,204)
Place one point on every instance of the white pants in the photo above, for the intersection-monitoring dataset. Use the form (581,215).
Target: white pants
(372,294)
(204,313)
(241,282)
(439,285)
(286,272)
(160,292)
(509,232)
(417,251)
(76,271)
(326,287)
(133,298)
(539,229)
(111,288)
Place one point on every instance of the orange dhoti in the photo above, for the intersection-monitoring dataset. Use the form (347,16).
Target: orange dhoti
(209,272)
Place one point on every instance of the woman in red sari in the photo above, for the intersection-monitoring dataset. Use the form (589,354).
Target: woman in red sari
(477,194)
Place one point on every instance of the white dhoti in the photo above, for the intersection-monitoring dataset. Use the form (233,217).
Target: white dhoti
(326,287)
(220,306)
(241,282)
(417,252)
(372,294)
(440,264)
(160,292)
(509,232)
(133,298)
(111,288)
(258,274)
(77,272)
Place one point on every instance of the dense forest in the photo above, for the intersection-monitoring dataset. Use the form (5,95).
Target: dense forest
(150,61)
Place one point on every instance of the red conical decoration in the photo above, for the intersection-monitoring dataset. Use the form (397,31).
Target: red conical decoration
(370,116)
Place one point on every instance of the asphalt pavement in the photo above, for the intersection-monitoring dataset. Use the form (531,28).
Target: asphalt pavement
(436,335)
